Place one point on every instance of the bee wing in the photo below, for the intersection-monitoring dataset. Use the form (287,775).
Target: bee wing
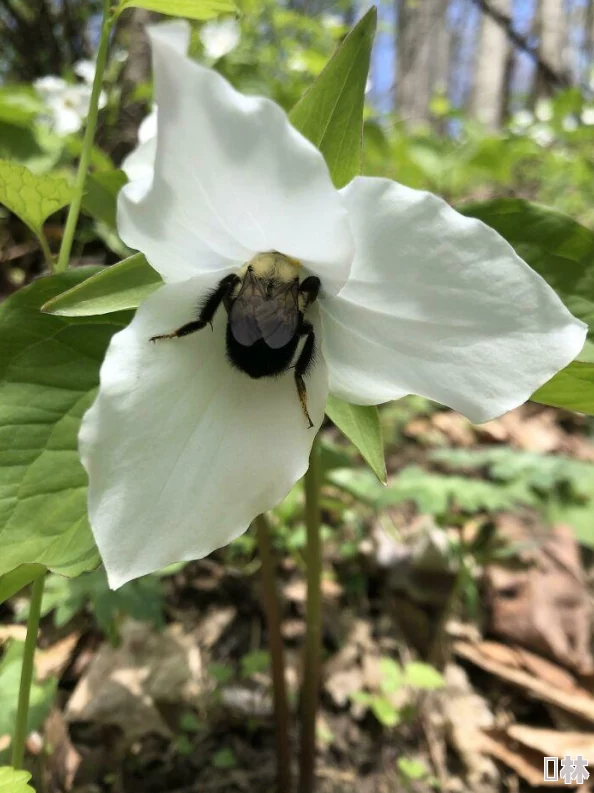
(278,317)
(242,316)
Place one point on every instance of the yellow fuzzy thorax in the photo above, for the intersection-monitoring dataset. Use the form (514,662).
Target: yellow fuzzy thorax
(273,265)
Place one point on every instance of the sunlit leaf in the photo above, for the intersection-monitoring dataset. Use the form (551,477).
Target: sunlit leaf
(13,781)
(572,388)
(189,9)
(49,370)
(32,198)
(117,288)
(101,193)
(17,579)
(330,114)
(361,425)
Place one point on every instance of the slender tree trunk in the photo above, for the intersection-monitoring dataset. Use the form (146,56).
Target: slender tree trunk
(418,26)
(489,97)
(553,36)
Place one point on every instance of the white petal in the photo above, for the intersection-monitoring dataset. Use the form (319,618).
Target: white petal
(440,305)
(85,69)
(139,167)
(232,178)
(66,120)
(175,33)
(220,37)
(183,451)
(49,85)
(148,127)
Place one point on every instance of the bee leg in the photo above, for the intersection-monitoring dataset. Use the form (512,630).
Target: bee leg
(308,291)
(303,365)
(208,309)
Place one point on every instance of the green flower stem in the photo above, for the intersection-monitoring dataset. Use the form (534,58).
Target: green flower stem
(47,254)
(20,729)
(277,654)
(85,156)
(313,637)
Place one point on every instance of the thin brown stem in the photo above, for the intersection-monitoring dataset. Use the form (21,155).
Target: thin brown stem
(277,654)
(313,639)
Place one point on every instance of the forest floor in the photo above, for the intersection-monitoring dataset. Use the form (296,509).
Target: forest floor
(165,688)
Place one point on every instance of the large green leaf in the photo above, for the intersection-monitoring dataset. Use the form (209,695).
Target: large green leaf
(330,114)
(117,288)
(190,9)
(361,425)
(572,388)
(32,198)
(49,370)
(554,245)
(13,781)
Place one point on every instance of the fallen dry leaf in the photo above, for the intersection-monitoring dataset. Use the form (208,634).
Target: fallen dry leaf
(574,699)
(123,685)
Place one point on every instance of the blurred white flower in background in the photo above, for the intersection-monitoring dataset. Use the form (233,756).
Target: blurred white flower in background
(521,120)
(332,22)
(85,69)
(570,123)
(588,116)
(296,62)
(542,134)
(544,110)
(220,37)
(67,103)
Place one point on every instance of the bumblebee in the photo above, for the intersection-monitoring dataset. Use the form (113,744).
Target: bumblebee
(266,305)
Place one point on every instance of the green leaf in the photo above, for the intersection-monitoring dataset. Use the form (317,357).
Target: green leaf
(557,247)
(117,288)
(190,9)
(30,197)
(330,114)
(42,694)
(224,758)
(572,388)
(361,425)
(17,579)
(49,370)
(101,194)
(425,676)
(13,781)
(385,712)
(411,769)
(391,672)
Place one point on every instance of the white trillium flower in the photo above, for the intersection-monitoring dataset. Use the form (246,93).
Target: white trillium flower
(220,37)
(183,450)
(67,104)
(522,119)
(588,116)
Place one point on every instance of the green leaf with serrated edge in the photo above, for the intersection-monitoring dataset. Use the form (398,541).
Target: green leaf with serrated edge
(13,781)
(32,198)
(101,195)
(556,246)
(572,389)
(120,287)
(18,579)
(49,371)
(362,427)
(330,113)
(190,9)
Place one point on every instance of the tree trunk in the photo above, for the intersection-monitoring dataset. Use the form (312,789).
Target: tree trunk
(490,91)
(553,41)
(419,24)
